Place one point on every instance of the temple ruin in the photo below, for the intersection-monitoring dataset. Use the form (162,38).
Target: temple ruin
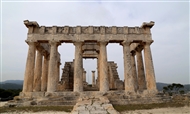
(43,84)
(42,70)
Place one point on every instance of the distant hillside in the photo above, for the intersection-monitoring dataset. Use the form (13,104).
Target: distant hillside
(11,84)
(187,87)
(17,84)
(160,85)
(20,82)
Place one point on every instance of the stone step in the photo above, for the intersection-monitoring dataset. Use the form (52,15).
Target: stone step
(93,105)
(70,98)
(55,103)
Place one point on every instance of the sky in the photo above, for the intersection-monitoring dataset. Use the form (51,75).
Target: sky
(170,50)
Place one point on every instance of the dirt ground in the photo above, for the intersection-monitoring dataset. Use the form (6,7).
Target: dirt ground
(181,110)
(178,110)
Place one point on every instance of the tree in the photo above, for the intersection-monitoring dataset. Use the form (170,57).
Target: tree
(173,88)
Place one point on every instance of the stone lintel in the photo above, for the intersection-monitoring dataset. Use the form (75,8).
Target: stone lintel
(88,29)
(88,38)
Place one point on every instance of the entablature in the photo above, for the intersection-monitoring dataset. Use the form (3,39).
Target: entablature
(34,27)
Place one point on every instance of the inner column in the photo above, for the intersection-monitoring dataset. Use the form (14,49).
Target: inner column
(134,71)
(93,78)
(45,72)
(38,72)
(140,70)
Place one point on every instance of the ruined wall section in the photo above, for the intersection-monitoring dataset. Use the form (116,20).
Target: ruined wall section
(66,83)
(114,82)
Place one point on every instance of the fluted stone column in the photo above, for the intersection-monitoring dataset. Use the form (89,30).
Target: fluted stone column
(134,71)
(58,67)
(78,68)
(52,71)
(93,78)
(58,72)
(103,67)
(38,72)
(98,72)
(45,73)
(129,79)
(29,70)
(84,76)
(140,70)
(150,76)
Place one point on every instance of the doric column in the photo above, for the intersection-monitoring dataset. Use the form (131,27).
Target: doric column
(29,70)
(78,68)
(150,76)
(129,79)
(103,67)
(84,76)
(52,69)
(58,68)
(45,73)
(93,78)
(38,72)
(98,72)
(134,71)
(140,70)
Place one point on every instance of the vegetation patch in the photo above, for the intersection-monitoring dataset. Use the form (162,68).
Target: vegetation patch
(131,107)
(35,109)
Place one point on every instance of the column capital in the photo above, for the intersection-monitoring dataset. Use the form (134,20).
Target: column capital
(78,43)
(54,42)
(133,52)
(124,43)
(31,42)
(149,42)
(103,42)
(45,53)
(139,48)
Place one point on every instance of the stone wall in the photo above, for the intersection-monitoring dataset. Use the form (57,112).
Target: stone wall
(66,83)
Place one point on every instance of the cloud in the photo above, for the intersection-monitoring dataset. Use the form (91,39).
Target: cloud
(170,50)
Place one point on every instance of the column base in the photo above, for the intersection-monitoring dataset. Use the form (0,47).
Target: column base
(32,94)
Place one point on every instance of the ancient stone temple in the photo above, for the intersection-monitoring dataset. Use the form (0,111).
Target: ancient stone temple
(43,60)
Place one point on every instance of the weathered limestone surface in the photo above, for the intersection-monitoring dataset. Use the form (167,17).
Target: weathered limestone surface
(150,76)
(93,79)
(38,72)
(45,73)
(134,71)
(104,85)
(84,76)
(141,73)
(29,71)
(52,78)
(90,42)
(114,82)
(78,68)
(93,105)
(129,79)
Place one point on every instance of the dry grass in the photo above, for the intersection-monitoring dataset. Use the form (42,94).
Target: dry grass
(132,107)
(36,109)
